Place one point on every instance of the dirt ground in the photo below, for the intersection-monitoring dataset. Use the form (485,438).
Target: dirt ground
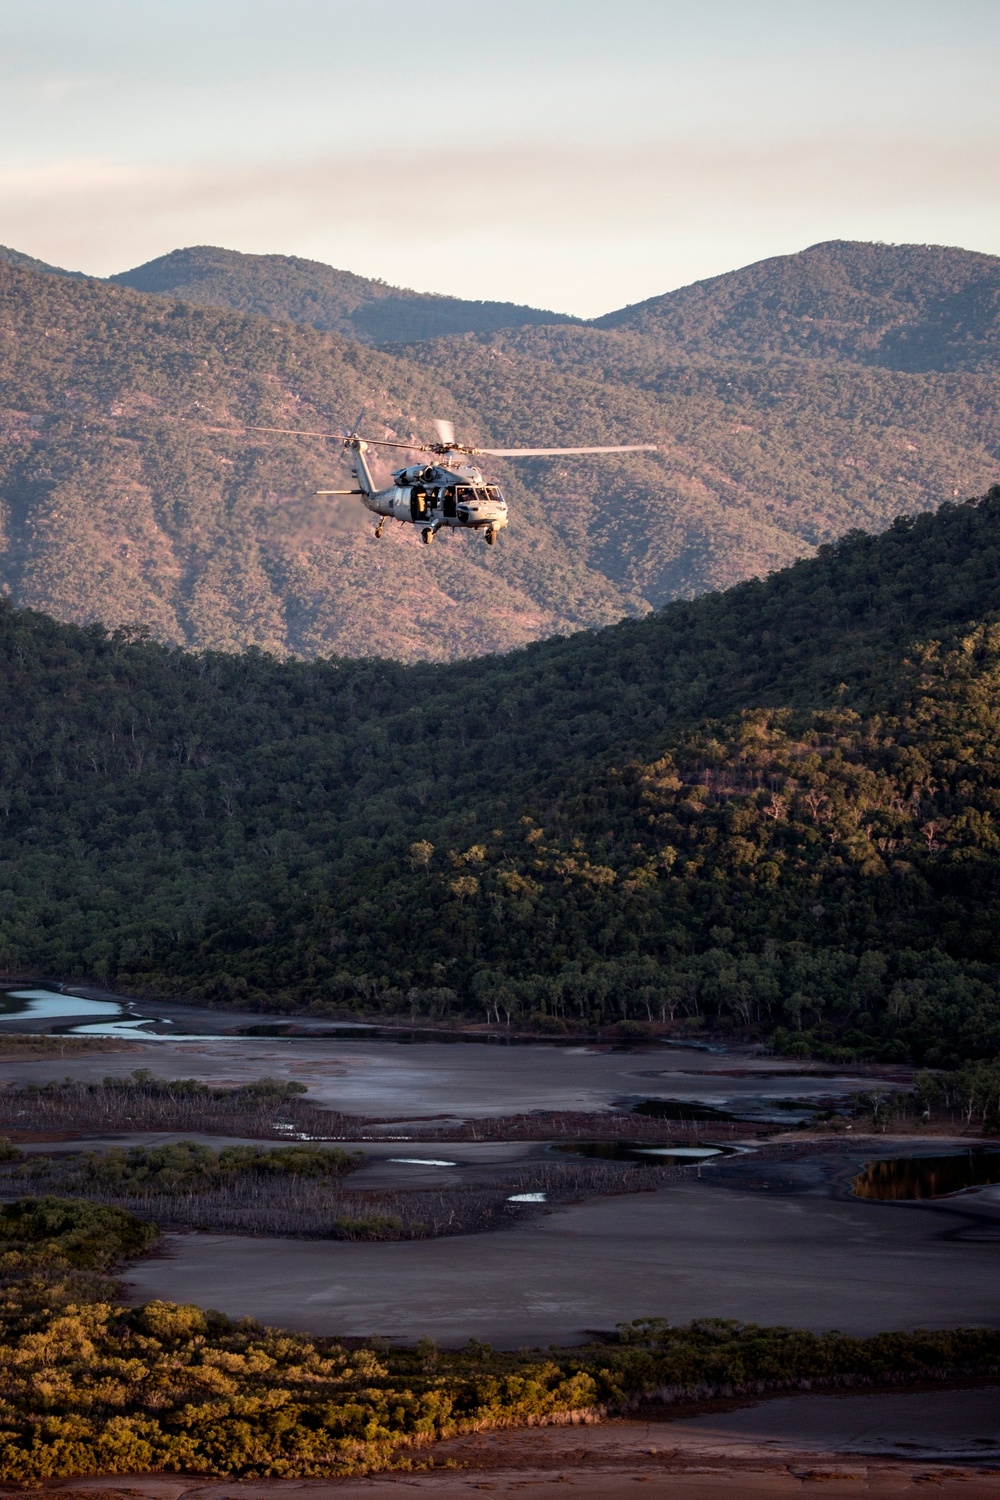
(671,1481)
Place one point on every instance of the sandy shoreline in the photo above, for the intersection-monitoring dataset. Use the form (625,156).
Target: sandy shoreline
(887,1442)
(680,1459)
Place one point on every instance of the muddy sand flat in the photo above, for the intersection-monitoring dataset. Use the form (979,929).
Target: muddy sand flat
(689,1250)
(466,1079)
(670,1481)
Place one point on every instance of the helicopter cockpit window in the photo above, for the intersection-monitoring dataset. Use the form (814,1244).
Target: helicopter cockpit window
(495,493)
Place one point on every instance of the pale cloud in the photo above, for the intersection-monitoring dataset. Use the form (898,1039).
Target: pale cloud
(574,227)
(570,153)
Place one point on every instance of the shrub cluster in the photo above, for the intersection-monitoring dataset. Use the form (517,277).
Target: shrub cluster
(300,1190)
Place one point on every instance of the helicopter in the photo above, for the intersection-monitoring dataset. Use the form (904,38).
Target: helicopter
(448,493)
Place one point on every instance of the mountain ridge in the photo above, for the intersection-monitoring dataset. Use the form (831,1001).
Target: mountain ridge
(307,291)
(904,307)
(28,262)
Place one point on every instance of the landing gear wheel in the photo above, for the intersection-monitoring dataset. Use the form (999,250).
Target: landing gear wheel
(427,536)
(491,537)
(378,530)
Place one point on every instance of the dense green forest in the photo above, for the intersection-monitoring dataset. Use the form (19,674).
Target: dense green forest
(771,810)
(89,1385)
(129,492)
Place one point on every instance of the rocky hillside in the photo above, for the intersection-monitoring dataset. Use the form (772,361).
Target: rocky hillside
(132,493)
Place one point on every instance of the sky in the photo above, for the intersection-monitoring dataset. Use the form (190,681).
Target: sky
(576,155)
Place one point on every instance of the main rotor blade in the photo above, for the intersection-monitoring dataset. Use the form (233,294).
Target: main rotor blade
(446,442)
(546,452)
(339,437)
(445,430)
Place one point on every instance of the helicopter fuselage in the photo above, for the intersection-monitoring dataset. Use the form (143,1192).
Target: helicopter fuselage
(435,496)
(448,493)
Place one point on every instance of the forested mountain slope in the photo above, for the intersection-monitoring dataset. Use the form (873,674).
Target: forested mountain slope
(129,493)
(29,263)
(306,291)
(773,809)
(901,307)
(904,307)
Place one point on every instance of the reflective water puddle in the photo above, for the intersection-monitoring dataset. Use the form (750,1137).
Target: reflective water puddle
(81,1017)
(48,1005)
(646,1154)
(910,1177)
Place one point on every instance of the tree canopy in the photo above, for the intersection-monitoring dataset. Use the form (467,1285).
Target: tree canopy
(771,809)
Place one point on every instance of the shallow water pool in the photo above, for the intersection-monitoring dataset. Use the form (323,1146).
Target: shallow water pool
(644,1153)
(904,1178)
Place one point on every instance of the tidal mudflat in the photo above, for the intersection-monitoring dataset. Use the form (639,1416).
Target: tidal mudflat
(782,1244)
(689,1250)
(412,1079)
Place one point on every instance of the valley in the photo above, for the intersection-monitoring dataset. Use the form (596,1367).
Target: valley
(719,1262)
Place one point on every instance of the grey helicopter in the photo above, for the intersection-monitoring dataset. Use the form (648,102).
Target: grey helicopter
(448,493)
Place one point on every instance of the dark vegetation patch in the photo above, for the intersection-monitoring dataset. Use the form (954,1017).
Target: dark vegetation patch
(90,1386)
(185,1167)
(271,1109)
(555,1125)
(268,1108)
(300,1190)
(61,1232)
(26,1046)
